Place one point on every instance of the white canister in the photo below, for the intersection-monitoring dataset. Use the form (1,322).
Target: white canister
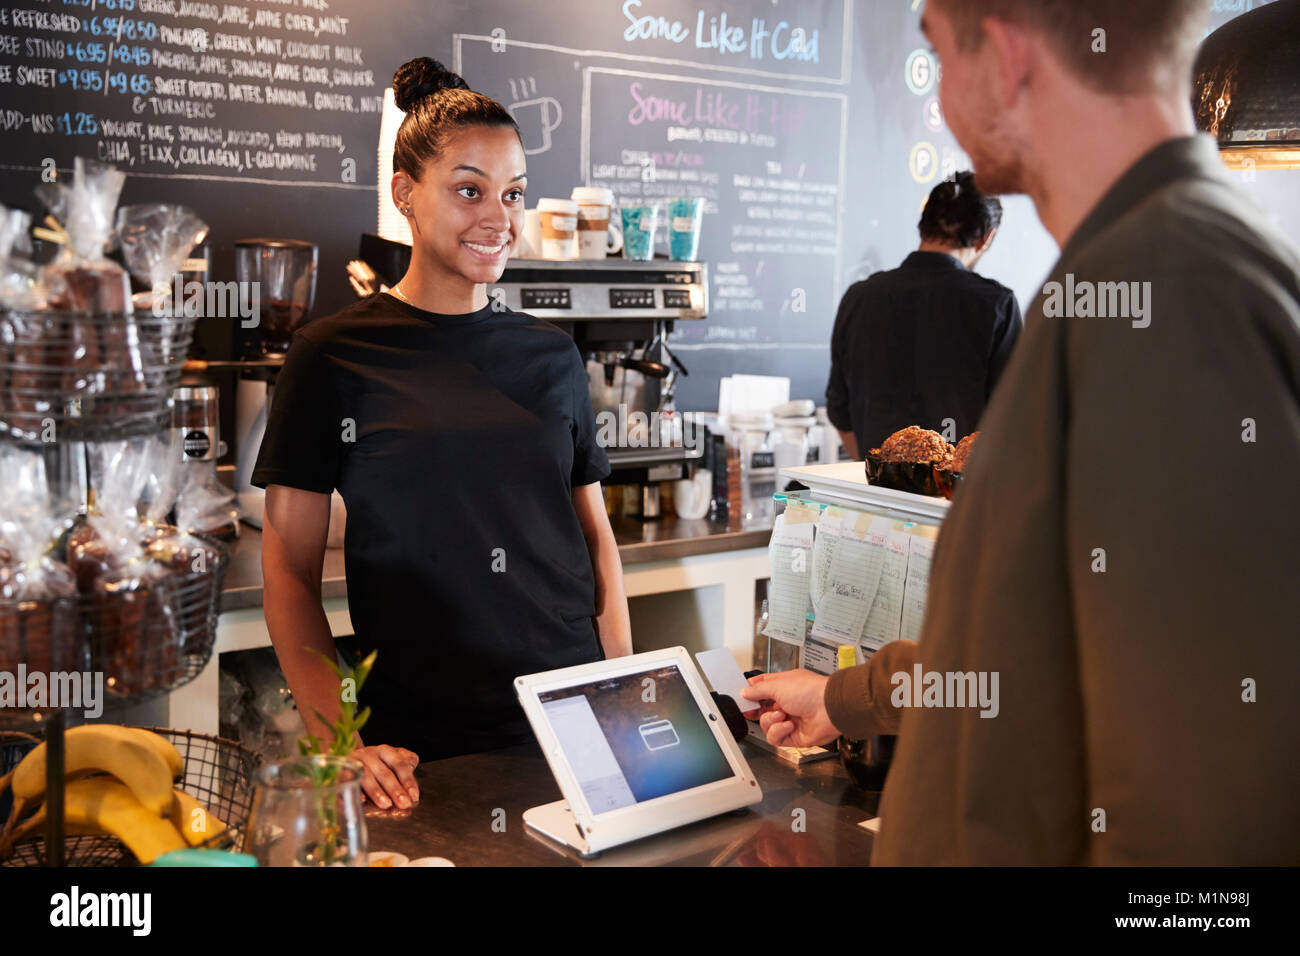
(559,228)
(792,441)
(598,235)
(693,496)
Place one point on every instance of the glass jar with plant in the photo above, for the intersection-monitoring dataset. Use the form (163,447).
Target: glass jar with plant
(307,810)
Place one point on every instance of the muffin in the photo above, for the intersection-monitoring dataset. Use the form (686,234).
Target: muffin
(962,452)
(907,459)
(916,444)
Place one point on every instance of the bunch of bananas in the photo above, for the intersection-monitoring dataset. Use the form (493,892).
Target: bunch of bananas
(119,781)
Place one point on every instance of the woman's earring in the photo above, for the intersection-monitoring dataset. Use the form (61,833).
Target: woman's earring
(406,210)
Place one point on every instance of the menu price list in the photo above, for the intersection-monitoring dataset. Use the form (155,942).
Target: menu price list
(771,187)
(171,86)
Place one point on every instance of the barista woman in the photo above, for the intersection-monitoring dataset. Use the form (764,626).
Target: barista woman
(462,439)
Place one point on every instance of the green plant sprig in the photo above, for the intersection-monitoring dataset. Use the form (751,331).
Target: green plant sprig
(345,728)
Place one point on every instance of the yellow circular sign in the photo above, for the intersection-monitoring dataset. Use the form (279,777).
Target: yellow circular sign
(923,163)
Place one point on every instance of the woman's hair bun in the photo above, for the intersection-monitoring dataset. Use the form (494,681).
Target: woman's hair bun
(421,77)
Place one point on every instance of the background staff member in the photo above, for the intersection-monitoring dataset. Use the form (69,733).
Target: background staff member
(926,341)
(1142,629)
(463,442)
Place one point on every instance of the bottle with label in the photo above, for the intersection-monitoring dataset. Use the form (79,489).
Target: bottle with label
(203,504)
(866,761)
(195,415)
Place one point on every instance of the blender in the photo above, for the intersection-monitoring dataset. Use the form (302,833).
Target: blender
(285,273)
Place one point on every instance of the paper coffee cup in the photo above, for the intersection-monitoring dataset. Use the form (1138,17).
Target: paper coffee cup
(596,237)
(559,228)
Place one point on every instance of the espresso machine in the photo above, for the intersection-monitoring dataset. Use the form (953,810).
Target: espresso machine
(620,313)
(285,273)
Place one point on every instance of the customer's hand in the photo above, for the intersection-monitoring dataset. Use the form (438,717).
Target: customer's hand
(798,715)
(390,775)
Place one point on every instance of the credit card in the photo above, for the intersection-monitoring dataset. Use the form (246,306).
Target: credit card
(725,676)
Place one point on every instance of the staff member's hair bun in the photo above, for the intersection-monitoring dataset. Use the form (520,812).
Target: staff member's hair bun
(958,214)
(421,77)
(437,103)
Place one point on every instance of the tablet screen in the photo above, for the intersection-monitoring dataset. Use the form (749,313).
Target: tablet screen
(632,738)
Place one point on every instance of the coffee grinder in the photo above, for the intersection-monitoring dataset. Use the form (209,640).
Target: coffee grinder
(284,271)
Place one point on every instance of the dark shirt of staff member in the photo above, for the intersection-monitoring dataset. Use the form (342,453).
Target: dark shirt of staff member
(925,343)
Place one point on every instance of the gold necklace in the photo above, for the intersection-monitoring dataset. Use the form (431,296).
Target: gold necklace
(398,292)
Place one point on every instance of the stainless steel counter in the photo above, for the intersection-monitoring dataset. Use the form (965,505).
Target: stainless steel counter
(667,539)
(809,816)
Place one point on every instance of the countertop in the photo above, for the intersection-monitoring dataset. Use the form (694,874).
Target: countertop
(665,539)
(809,816)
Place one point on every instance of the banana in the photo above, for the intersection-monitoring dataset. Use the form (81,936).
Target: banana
(112,807)
(104,807)
(166,749)
(195,827)
(124,752)
(73,825)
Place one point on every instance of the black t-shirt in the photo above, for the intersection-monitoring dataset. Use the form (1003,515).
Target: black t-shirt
(916,345)
(456,442)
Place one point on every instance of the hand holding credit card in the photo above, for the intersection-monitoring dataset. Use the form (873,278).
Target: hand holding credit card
(725,677)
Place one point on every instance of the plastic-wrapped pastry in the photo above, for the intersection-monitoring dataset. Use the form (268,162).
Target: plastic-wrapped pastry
(23,331)
(191,561)
(38,608)
(104,357)
(136,640)
(89,556)
(133,644)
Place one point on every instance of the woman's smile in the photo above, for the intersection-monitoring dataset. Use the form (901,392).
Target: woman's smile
(487,251)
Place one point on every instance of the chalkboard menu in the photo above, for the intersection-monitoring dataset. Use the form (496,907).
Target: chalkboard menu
(811,129)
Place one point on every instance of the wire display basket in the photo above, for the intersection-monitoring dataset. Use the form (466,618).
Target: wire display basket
(70,376)
(219,774)
(145,635)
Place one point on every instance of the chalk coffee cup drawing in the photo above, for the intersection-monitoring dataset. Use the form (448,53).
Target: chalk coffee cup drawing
(598,237)
(536,119)
(559,228)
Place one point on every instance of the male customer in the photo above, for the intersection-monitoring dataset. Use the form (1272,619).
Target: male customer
(1111,553)
(924,344)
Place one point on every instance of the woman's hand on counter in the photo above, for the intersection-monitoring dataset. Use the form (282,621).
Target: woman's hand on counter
(390,775)
(797,716)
